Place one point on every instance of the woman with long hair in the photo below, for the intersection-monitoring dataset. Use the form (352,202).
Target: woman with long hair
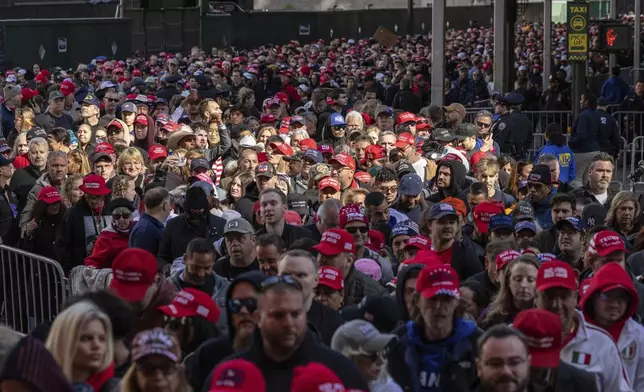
(20,150)
(156,366)
(40,231)
(235,189)
(131,164)
(71,192)
(264,133)
(516,293)
(518,182)
(78,163)
(84,135)
(80,340)
(247,99)
(623,216)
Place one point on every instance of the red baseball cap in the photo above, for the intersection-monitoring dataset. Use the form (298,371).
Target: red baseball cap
(335,241)
(105,147)
(307,143)
(134,272)
(484,212)
(505,257)
(237,375)
(49,195)
(141,119)
(363,177)
(375,240)
(329,182)
(157,151)
(423,123)
(542,330)
(438,280)
(267,118)
(67,88)
(93,184)
(406,117)
(191,302)
(404,140)
(351,213)
(281,149)
(374,152)
(606,242)
(330,277)
(419,242)
(345,160)
(315,377)
(325,149)
(556,273)
(458,204)
(292,218)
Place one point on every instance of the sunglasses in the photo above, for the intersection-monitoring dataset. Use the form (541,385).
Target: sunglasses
(482,125)
(353,230)
(236,305)
(275,280)
(121,216)
(174,324)
(112,100)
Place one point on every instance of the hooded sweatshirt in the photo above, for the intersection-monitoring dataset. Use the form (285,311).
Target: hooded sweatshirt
(199,364)
(149,138)
(626,332)
(403,275)
(455,188)
(127,137)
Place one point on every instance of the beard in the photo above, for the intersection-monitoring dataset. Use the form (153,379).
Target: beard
(491,385)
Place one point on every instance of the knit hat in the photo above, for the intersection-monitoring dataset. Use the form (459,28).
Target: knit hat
(32,363)
(11,92)
(196,199)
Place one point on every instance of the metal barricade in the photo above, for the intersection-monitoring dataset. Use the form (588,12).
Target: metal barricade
(32,289)
(631,124)
(540,119)
(622,161)
(540,141)
(637,153)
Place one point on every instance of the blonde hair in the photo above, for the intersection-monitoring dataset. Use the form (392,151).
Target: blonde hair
(350,193)
(81,158)
(130,154)
(486,165)
(64,335)
(620,198)
(67,188)
(119,186)
(21,138)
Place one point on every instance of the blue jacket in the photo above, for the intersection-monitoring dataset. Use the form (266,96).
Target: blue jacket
(543,211)
(7,120)
(448,365)
(146,234)
(566,159)
(585,131)
(615,90)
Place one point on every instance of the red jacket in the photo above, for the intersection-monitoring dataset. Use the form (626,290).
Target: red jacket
(108,245)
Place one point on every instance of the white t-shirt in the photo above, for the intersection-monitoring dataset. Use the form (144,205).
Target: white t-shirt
(420,166)
(601,198)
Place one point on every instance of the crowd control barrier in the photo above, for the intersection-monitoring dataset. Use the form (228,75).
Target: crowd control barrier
(32,289)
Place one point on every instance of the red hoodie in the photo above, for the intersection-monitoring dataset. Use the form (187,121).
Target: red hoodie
(609,277)
(108,245)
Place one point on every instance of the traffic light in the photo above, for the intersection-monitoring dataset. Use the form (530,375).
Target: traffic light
(615,37)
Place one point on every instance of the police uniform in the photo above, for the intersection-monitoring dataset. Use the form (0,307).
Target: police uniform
(509,131)
(633,102)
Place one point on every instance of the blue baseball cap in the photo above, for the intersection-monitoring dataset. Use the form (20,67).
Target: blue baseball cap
(411,185)
(525,225)
(500,222)
(336,120)
(5,162)
(408,227)
(90,99)
(574,222)
(440,210)
(313,155)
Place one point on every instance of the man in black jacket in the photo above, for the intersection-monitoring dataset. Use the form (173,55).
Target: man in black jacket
(196,221)
(272,208)
(283,342)
(9,230)
(405,99)
(241,308)
(303,267)
(489,279)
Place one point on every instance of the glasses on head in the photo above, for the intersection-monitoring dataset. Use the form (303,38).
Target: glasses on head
(121,216)
(482,125)
(148,369)
(353,230)
(236,305)
(174,324)
(279,279)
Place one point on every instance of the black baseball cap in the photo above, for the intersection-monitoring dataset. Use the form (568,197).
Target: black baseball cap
(540,173)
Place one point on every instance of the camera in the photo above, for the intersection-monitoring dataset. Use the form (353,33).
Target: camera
(433,150)
(637,173)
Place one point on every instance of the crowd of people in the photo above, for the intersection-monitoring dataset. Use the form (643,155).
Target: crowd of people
(302,218)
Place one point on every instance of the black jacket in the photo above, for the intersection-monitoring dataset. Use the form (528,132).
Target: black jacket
(290,234)
(315,233)
(572,379)
(325,320)
(407,101)
(245,205)
(77,234)
(483,278)
(203,360)
(21,183)
(9,230)
(278,376)
(456,185)
(584,193)
(178,233)
(522,134)
(358,285)
(547,240)
(465,261)
(403,275)
(43,240)
(608,138)
(227,271)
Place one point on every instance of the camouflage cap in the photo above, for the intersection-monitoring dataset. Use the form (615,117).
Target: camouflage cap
(319,171)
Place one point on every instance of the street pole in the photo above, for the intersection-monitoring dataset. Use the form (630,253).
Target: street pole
(438,52)
(637,55)
(547,41)
(500,48)
(612,14)
(410,17)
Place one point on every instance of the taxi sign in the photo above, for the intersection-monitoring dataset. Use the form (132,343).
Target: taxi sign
(577,31)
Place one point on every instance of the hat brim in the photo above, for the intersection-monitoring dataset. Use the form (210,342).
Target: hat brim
(129,292)
(502,227)
(401,144)
(175,138)
(482,227)
(378,343)
(327,250)
(102,191)
(173,310)
(607,251)
(558,284)
(451,291)
(559,225)
(256,148)
(443,214)
(549,358)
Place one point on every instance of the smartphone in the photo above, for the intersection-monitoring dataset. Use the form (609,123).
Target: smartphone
(185,93)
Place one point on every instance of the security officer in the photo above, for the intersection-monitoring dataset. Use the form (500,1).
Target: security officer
(635,100)
(513,131)
(608,137)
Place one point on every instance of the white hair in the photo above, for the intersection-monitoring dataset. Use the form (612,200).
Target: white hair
(301,132)
(357,116)
(38,142)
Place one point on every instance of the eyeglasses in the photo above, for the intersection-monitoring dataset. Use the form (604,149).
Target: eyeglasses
(386,190)
(174,324)
(111,132)
(353,230)
(112,100)
(149,369)
(236,305)
(121,216)
(482,125)
(285,279)
(619,296)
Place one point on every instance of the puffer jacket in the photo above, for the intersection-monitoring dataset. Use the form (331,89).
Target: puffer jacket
(109,244)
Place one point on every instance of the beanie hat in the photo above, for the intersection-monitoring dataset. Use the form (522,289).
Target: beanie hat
(196,199)
(11,92)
